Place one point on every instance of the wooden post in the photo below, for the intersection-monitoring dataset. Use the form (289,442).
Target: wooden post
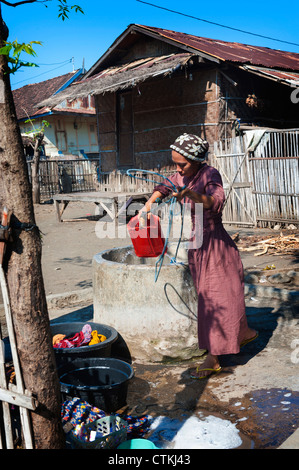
(24,413)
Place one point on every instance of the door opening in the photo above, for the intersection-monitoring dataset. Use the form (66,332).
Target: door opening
(125,129)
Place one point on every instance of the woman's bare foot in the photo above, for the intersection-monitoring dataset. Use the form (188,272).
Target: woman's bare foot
(249,335)
(202,371)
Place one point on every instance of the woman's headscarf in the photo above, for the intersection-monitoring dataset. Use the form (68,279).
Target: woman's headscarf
(191,146)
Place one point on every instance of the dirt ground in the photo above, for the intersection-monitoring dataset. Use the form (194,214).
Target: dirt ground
(68,247)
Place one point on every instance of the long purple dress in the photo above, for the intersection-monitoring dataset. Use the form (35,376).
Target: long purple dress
(216,269)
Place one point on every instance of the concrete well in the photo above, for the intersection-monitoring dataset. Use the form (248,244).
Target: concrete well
(157,320)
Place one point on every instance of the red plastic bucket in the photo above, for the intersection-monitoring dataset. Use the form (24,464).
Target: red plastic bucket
(148,240)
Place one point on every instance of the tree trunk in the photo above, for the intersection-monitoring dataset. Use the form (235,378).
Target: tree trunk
(24,276)
(35,169)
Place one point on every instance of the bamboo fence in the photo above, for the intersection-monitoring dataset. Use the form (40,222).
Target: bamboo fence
(81,175)
(275,172)
(262,186)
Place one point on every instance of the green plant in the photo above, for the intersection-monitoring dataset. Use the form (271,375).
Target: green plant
(13,51)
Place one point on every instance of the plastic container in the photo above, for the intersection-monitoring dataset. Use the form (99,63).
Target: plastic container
(113,432)
(102,382)
(147,240)
(137,444)
(103,349)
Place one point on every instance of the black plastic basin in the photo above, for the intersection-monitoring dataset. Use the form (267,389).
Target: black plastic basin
(102,382)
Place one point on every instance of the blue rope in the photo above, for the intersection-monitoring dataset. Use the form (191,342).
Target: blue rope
(172,186)
(172,202)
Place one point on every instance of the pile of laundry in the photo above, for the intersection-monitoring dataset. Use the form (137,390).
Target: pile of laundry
(85,337)
(77,414)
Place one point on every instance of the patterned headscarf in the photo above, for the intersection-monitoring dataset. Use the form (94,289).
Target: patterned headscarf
(191,146)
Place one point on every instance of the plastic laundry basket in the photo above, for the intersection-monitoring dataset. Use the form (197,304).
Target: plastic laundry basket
(112,428)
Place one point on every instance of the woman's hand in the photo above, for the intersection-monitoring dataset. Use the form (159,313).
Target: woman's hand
(181,194)
(204,199)
(143,215)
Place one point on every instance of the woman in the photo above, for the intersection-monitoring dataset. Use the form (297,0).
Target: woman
(216,266)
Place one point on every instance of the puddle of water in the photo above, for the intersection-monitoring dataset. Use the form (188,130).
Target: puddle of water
(199,431)
(269,416)
(264,419)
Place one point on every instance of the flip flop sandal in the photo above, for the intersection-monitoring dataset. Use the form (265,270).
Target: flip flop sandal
(212,371)
(246,341)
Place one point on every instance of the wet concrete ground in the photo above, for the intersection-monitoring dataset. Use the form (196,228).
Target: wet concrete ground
(257,390)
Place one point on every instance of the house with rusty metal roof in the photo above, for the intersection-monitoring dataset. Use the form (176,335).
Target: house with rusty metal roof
(71,127)
(153,84)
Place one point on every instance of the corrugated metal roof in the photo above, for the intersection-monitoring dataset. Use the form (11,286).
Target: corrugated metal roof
(170,60)
(102,78)
(230,51)
(289,78)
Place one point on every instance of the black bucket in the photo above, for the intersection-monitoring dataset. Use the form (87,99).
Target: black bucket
(67,355)
(102,382)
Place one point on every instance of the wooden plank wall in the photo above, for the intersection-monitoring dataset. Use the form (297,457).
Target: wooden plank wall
(231,160)
(163,109)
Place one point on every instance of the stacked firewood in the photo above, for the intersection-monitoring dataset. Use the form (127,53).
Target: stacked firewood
(278,245)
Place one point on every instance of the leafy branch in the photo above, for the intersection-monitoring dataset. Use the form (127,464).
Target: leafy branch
(64,9)
(13,51)
(24,2)
(36,132)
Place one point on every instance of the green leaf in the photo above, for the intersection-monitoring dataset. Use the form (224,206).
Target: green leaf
(28,64)
(5,50)
(64,9)
(77,8)
(13,51)
(17,49)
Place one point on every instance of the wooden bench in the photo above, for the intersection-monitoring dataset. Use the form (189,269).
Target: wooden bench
(114,203)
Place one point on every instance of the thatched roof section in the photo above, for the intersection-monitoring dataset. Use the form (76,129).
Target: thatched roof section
(120,77)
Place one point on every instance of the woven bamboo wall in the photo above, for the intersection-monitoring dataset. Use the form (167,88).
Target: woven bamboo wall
(162,110)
